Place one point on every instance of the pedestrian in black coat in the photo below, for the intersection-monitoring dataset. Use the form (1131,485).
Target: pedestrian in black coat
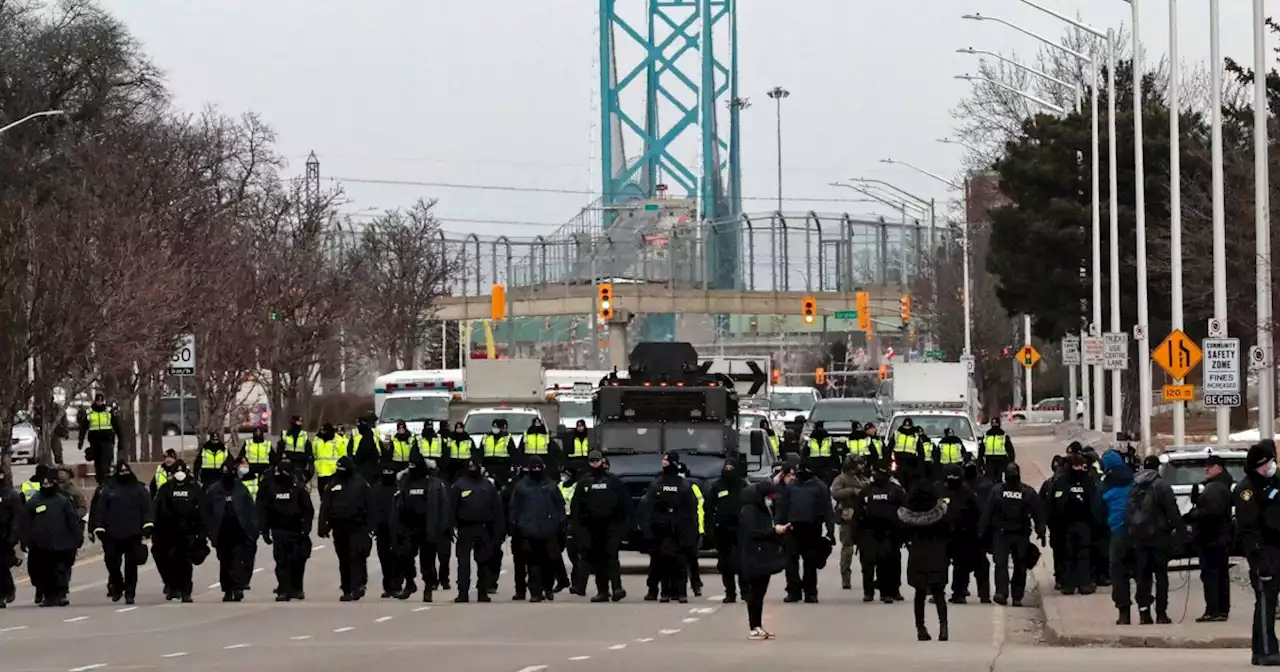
(479,523)
(927,531)
(179,516)
(344,514)
(12,513)
(723,507)
(805,505)
(52,534)
(963,515)
(231,521)
(120,517)
(381,506)
(760,543)
(422,518)
(1210,518)
(537,512)
(286,512)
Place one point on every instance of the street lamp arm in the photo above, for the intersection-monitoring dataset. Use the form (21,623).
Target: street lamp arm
(972,148)
(1063,17)
(29,117)
(1033,98)
(886,200)
(1067,50)
(922,201)
(922,171)
(1016,64)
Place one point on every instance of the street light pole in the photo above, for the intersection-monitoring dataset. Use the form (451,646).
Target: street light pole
(1219,207)
(29,117)
(777,93)
(1262,223)
(1114,235)
(1175,218)
(1140,216)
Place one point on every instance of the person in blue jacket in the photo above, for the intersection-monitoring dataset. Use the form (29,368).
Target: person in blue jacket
(1117,482)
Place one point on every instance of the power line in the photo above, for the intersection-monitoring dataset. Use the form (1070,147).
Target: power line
(549,190)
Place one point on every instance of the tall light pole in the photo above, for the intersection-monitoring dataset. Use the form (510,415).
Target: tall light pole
(1219,207)
(1175,218)
(29,117)
(968,302)
(1140,218)
(1262,224)
(777,93)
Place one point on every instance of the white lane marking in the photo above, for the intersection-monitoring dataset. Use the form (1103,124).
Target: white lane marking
(533,668)
(77,619)
(174,655)
(257,569)
(703,610)
(580,658)
(212,586)
(86,668)
(617,647)
(124,610)
(715,598)
(669,632)
(236,646)
(11,629)
(346,629)
(318,548)
(299,638)
(644,640)
(384,619)
(421,609)
(502,572)
(691,619)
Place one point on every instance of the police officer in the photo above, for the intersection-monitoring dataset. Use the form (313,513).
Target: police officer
(537,442)
(600,514)
(806,507)
(821,453)
(100,426)
(479,524)
(963,515)
(860,445)
(344,514)
(296,443)
(120,517)
(257,450)
(1210,518)
(52,535)
(231,520)
(877,445)
(460,451)
(669,520)
(179,527)
(366,447)
(771,436)
(399,448)
(909,452)
(210,459)
(536,514)
(381,512)
(846,490)
(995,451)
(422,517)
(286,511)
(690,556)
(723,506)
(1257,502)
(432,446)
(577,448)
(496,450)
(1009,519)
(1075,509)
(163,471)
(948,452)
(11,516)
(327,448)
(879,547)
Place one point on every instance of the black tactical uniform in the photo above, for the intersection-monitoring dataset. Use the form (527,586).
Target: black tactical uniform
(1009,518)
(963,515)
(286,512)
(669,520)
(722,510)
(120,517)
(879,538)
(600,514)
(806,506)
(344,513)
(479,524)
(179,529)
(381,511)
(231,519)
(1210,518)
(422,518)
(1257,502)
(1076,510)
(52,535)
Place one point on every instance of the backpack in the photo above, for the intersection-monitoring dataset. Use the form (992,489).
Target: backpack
(1142,517)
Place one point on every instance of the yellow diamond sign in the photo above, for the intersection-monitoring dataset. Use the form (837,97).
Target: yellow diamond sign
(1177,354)
(1028,356)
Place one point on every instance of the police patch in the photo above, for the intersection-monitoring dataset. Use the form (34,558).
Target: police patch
(1246,495)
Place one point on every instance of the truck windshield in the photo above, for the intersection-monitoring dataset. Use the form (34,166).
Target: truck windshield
(415,409)
(792,401)
(1191,472)
(630,439)
(933,425)
(481,423)
(702,439)
(575,408)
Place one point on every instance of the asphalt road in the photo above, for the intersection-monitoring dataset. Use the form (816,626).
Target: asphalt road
(323,634)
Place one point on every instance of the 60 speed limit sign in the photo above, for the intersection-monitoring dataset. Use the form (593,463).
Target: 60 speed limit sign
(183,360)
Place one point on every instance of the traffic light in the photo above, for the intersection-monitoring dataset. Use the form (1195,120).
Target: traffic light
(820,376)
(904,309)
(884,371)
(498,302)
(864,310)
(777,376)
(604,292)
(809,309)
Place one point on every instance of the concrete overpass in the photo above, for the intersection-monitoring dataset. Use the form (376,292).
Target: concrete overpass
(557,300)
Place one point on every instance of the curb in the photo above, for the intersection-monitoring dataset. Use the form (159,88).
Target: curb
(1053,635)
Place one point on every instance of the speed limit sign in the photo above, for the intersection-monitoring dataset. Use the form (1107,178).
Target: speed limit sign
(183,360)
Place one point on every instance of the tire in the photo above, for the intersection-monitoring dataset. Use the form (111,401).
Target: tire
(1019,418)
(171,430)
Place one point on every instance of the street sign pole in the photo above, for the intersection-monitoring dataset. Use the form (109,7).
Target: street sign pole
(1026,381)
(182,363)
(1071,357)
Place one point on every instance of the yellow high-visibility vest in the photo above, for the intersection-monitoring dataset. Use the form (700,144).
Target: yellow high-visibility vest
(162,477)
(697,492)
(907,443)
(819,448)
(496,447)
(252,485)
(327,454)
(355,448)
(950,453)
(212,459)
(993,445)
(566,493)
(432,448)
(401,449)
(29,489)
(536,444)
(295,444)
(774,441)
(580,448)
(860,447)
(258,452)
(460,449)
(100,421)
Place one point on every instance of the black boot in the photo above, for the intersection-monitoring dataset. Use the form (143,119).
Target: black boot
(1144,617)
(922,634)
(943,633)
(619,595)
(1124,617)
(1162,618)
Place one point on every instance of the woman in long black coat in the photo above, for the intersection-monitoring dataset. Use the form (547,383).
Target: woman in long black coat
(760,542)
(927,530)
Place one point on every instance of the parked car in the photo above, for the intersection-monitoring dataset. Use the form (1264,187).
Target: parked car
(179,416)
(22,443)
(1046,411)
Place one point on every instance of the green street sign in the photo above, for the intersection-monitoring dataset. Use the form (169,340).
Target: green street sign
(846,314)
(650,207)
(934,355)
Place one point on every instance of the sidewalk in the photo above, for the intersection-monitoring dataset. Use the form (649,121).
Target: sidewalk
(1089,620)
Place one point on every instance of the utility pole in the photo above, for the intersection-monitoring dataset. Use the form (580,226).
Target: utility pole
(777,93)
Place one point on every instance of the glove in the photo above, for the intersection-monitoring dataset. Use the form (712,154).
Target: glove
(100,534)
(266,537)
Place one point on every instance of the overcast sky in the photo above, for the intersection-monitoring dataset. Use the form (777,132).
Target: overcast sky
(501,92)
